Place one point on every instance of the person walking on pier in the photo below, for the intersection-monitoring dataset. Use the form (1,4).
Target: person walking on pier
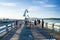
(42,23)
(35,23)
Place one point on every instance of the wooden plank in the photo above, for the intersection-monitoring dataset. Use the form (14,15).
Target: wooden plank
(16,35)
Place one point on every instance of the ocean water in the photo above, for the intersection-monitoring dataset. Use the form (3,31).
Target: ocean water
(55,21)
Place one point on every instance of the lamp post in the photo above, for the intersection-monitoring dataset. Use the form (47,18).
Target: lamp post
(26,11)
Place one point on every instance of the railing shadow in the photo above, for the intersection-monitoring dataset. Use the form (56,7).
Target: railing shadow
(44,33)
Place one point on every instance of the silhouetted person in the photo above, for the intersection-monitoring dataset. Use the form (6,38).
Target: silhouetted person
(25,22)
(35,22)
(38,21)
(42,23)
(16,22)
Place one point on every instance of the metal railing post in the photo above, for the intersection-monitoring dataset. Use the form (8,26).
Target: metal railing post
(46,25)
(59,29)
(7,28)
(11,26)
(53,27)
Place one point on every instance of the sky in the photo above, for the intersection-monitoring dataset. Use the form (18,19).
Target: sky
(37,8)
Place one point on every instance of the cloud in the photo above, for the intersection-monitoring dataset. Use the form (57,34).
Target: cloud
(7,4)
(49,5)
(40,1)
(44,3)
(33,8)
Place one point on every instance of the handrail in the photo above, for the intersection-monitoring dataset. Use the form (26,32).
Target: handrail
(6,27)
(53,25)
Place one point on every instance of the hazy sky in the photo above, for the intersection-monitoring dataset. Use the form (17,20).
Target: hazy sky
(36,8)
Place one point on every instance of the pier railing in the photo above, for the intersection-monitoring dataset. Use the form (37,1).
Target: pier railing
(52,26)
(6,27)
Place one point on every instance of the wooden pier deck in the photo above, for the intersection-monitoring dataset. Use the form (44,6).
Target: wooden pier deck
(25,32)
(16,35)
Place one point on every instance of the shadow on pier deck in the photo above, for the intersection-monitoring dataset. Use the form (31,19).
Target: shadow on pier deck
(24,32)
